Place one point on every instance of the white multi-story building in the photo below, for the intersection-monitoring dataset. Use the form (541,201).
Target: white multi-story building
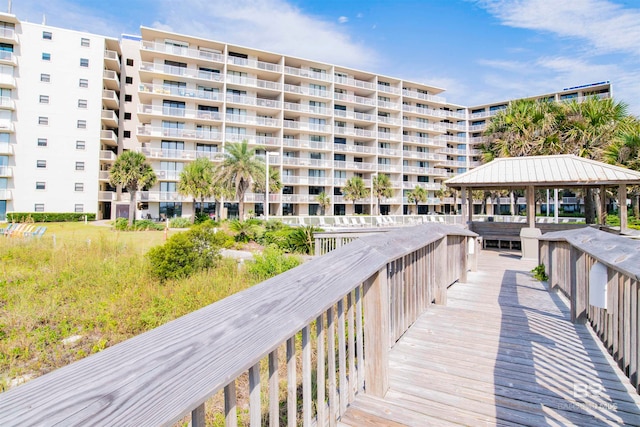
(80,99)
(59,106)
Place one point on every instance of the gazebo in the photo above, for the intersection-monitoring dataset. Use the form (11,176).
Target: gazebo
(545,172)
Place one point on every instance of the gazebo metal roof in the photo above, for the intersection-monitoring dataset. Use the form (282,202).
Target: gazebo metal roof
(564,171)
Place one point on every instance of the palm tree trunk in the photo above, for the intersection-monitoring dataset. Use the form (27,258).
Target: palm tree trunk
(589,206)
(636,205)
(132,207)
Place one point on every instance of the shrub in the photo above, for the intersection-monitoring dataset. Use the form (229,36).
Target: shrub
(280,238)
(187,252)
(179,222)
(122,224)
(270,263)
(49,216)
(539,273)
(245,230)
(302,239)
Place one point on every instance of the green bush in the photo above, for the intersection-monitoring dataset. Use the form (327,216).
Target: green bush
(122,224)
(539,273)
(185,253)
(246,230)
(179,222)
(280,238)
(270,263)
(49,216)
(303,240)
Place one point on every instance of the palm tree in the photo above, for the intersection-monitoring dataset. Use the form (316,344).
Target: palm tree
(132,171)
(196,180)
(239,169)
(323,200)
(354,189)
(382,187)
(417,195)
(624,150)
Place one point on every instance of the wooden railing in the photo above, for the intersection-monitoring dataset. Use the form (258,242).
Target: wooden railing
(347,308)
(328,241)
(600,274)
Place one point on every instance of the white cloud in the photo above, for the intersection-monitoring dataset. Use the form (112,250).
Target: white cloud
(272,25)
(343,20)
(606,26)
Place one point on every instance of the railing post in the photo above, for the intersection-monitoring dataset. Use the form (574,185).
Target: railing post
(463,258)
(442,272)
(578,284)
(376,332)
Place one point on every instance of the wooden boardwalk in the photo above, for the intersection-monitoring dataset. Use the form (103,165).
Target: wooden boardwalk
(501,352)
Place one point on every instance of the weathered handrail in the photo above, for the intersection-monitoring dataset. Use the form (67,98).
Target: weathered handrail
(600,274)
(162,375)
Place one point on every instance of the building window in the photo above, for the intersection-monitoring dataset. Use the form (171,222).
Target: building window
(130,62)
(127,98)
(42,142)
(85,42)
(46,56)
(46,35)
(82,124)
(82,103)
(38,207)
(44,99)
(84,62)
(79,208)
(79,186)
(80,145)
(45,78)
(128,80)
(127,116)
(41,164)
(84,83)
(40,185)
(79,166)
(43,120)
(127,134)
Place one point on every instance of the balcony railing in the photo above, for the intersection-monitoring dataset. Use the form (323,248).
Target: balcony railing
(433,142)
(7,56)
(160,196)
(160,110)
(107,196)
(181,71)
(6,171)
(313,127)
(168,154)
(252,63)
(388,89)
(197,134)
(306,90)
(180,91)
(109,117)
(253,101)
(108,136)
(110,55)
(306,180)
(354,99)
(425,171)
(306,143)
(108,155)
(354,82)
(7,102)
(8,33)
(304,108)
(253,120)
(354,148)
(6,194)
(305,161)
(422,155)
(249,81)
(6,149)
(339,164)
(423,96)
(354,115)
(349,131)
(434,127)
(110,98)
(253,139)
(308,73)
(182,51)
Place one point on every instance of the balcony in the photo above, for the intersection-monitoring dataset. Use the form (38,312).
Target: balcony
(6,149)
(311,127)
(107,196)
(111,59)
(110,99)
(355,115)
(432,127)
(349,131)
(348,148)
(148,111)
(485,114)
(109,118)
(423,96)
(477,128)
(8,35)
(252,63)
(166,154)
(147,132)
(389,136)
(303,90)
(7,81)
(109,137)
(361,166)
(254,120)
(179,92)
(189,73)
(389,120)
(111,80)
(304,108)
(389,168)
(389,151)
(7,103)
(253,139)
(452,163)
(349,81)
(104,176)
(451,138)
(354,99)
(424,171)
(421,155)
(6,171)
(429,186)
(454,114)
(168,175)
(424,111)
(253,101)
(7,126)
(388,89)
(259,197)
(388,105)
(108,155)
(454,126)
(257,83)
(306,143)
(428,142)
(306,180)
(325,77)
(307,162)
(7,58)
(6,194)
(182,51)
(160,196)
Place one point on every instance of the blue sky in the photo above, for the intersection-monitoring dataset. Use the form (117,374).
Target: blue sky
(480,51)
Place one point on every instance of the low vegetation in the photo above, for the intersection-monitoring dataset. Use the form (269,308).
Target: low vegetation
(82,288)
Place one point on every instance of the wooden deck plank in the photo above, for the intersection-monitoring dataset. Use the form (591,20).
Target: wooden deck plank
(502,351)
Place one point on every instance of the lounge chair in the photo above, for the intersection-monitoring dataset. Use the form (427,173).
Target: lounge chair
(354,221)
(7,228)
(362,221)
(39,233)
(17,230)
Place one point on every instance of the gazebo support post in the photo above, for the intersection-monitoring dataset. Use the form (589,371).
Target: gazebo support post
(555,205)
(470,206)
(529,235)
(622,208)
(602,213)
(464,206)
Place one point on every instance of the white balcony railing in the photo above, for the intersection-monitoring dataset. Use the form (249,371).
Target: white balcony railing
(198,134)
(160,110)
(252,63)
(182,51)
(181,71)
(162,90)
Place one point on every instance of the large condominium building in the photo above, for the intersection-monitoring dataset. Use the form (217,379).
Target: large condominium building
(59,93)
(86,98)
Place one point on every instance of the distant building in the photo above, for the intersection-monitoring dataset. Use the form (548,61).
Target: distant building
(70,102)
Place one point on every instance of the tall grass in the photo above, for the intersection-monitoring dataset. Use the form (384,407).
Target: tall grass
(97,290)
